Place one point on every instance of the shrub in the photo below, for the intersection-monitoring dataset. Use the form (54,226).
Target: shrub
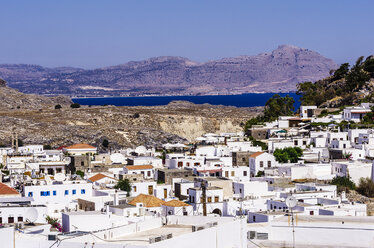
(366,187)
(80,173)
(136,115)
(75,105)
(47,147)
(260,174)
(105,143)
(343,183)
(58,106)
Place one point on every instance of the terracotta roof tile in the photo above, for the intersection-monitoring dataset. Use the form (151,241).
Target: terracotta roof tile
(98,177)
(176,203)
(256,154)
(139,167)
(80,146)
(6,190)
(149,201)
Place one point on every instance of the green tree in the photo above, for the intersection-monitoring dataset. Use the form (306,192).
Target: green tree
(341,72)
(75,105)
(124,185)
(369,65)
(357,77)
(291,154)
(366,187)
(343,184)
(278,106)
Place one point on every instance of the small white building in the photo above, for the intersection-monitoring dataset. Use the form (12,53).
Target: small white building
(307,111)
(260,160)
(356,113)
(146,170)
(80,149)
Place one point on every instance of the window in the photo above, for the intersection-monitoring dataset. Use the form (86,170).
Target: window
(10,219)
(83,191)
(240,190)
(66,192)
(254,218)
(269,163)
(150,190)
(74,191)
(296,142)
(30,194)
(304,142)
(54,192)
(209,199)
(226,174)
(165,193)
(148,173)
(44,193)
(1,220)
(243,159)
(245,173)
(180,164)
(188,164)
(82,163)
(261,163)
(216,199)
(134,188)
(232,173)
(20,219)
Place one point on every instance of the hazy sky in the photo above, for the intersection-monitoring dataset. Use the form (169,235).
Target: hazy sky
(94,33)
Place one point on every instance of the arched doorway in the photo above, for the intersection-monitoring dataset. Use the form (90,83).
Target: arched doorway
(217,211)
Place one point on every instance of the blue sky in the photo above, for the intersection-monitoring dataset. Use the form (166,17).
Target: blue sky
(94,33)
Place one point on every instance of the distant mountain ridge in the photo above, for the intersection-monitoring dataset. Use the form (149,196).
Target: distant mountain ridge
(276,71)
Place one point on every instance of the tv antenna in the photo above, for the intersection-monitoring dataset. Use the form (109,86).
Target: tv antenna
(291,202)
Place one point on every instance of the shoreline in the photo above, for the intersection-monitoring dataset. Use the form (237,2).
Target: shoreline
(141,96)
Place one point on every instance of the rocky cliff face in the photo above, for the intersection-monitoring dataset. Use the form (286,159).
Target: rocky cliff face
(276,71)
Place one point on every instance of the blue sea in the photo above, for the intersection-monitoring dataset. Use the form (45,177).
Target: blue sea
(244,100)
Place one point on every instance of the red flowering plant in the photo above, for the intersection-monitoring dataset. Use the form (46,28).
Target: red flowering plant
(54,223)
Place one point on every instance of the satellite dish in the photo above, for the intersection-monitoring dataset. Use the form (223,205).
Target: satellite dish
(32,215)
(34,182)
(60,177)
(291,201)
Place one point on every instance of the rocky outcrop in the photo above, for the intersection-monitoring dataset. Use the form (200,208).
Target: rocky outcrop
(13,99)
(276,71)
(122,126)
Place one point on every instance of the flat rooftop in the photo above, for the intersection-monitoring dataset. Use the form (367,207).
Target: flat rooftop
(142,238)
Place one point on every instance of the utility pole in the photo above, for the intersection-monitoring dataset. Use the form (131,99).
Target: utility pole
(203,187)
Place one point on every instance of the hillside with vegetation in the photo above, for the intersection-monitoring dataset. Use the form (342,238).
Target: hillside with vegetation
(348,85)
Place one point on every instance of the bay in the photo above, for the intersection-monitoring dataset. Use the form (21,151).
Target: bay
(244,100)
